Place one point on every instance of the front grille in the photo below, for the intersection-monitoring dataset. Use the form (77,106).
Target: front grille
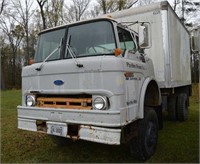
(83,103)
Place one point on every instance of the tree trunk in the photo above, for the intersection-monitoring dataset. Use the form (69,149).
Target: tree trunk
(13,69)
(3,87)
(41,3)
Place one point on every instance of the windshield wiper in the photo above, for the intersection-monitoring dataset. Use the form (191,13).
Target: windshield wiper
(56,49)
(72,54)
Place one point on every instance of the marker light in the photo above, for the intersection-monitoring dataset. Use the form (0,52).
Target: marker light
(118,51)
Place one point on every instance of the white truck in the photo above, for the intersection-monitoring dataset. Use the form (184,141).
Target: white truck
(107,81)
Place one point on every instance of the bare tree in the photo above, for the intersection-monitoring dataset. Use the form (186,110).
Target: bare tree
(15,34)
(108,6)
(54,11)
(2,6)
(24,14)
(146,2)
(95,11)
(176,2)
(2,43)
(51,12)
(126,4)
(188,11)
(41,4)
(76,10)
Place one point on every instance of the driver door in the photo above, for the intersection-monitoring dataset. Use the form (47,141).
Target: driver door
(132,71)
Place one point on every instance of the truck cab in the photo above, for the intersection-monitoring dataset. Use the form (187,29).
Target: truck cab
(92,80)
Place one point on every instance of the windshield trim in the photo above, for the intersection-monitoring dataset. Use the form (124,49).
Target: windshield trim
(66,27)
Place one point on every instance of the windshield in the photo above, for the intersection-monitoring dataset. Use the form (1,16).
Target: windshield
(88,39)
(47,43)
(95,38)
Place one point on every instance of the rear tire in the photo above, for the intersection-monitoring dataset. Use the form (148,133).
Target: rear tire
(172,107)
(182,107)
(144,145)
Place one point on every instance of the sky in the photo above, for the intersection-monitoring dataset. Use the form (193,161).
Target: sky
(194,18)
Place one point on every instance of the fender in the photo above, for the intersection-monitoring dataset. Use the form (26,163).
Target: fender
(147,82)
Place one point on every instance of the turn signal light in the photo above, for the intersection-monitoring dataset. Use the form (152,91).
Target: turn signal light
(118,51)
(31,61)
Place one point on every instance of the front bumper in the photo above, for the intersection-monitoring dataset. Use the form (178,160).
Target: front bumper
(96,126)
(89,133)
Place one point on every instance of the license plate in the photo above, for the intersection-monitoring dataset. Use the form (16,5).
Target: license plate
(57,129)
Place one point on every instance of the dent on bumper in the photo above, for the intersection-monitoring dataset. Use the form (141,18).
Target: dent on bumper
(89,133)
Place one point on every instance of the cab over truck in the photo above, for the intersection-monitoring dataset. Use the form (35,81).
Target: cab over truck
(107,80)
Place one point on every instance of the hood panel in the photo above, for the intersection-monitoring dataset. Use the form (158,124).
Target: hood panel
(102,74)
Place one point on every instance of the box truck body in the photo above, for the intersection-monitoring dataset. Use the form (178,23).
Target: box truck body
(170,46)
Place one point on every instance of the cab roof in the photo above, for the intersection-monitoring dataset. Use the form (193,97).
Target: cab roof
(78,23)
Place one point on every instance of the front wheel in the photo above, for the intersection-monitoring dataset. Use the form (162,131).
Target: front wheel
(144,145)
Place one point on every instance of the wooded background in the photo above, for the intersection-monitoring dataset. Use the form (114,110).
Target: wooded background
(22,20)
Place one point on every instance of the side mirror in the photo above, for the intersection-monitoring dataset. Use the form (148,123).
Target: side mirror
(195,43)
(144,36)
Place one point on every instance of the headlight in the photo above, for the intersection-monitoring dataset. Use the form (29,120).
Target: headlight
(30,100)
(100,103)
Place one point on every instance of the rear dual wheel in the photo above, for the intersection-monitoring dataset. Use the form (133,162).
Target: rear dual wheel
(178,107)
(182,107)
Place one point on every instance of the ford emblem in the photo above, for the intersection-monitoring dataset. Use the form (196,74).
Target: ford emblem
(58,82)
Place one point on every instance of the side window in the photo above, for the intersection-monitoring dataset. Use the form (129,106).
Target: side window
(126,40)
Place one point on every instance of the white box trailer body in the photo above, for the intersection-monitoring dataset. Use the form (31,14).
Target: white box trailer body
(170,48)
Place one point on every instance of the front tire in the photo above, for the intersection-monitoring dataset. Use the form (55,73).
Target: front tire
(144,145)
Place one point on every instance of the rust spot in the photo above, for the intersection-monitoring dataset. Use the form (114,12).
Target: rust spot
(74,138)
(128,74)
(68,103)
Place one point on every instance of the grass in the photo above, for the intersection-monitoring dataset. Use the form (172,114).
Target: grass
(178,141)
